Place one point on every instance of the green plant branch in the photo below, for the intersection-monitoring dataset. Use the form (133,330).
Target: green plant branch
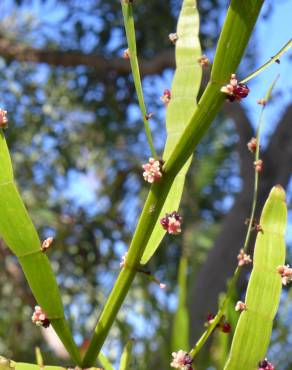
(273,59)
(232,282)
(131,38)
(235,34)
(19,234)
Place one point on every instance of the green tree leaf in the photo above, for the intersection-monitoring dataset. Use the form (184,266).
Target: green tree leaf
(253,331)
(184,90)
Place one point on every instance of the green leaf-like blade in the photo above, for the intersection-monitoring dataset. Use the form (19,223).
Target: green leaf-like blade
(181,318)
(6,364)
(184,90)
(126,357)
(103,360)
(253,331)
(131,38)
(18,232)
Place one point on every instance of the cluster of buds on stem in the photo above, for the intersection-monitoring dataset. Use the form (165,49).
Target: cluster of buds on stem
(165,98)
(152,170)
(258,165)
(123,260)
(262,102)
(240,306)
(47,244)
(126,54)
(39,317)
(255,226)
(265,365)
(286,273)
(223,325)
(173,37)
(3,118)
(172,223)
(203,61)
(148,116)
(243,258)
(252,145)
(234,90)
(181,360)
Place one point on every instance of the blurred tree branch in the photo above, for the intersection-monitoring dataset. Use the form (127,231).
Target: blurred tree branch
(11,50)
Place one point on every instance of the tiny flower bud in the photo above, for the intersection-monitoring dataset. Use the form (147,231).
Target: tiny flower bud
(286,273)
(226,327)
(181,360)
(123,260)
(281,269)
(173,37)
(209,319)
(203,61)
(258,228)
(40,318)
(265,365)
(233,80)
(172,223)
(126,54)
(165,98)
(162,286)
(47,243)
(252,144)
(240,306)
(258,165)
(243,258)
(149,115)
(152,170)
(262,102)
(3,118)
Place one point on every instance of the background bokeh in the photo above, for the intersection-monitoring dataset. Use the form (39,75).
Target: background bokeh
(77,144)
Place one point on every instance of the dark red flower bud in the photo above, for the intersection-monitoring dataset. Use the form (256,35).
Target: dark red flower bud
(241,91)
(226,328)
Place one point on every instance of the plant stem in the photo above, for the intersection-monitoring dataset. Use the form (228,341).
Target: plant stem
(235,34)
(130,33)
(232,282)
(273,59)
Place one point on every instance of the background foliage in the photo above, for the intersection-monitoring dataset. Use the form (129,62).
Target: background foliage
(77,144)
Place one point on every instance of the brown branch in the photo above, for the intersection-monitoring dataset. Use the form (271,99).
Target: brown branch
(103,65)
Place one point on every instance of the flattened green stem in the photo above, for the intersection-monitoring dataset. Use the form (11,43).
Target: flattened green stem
(233,281)
(273,59)
(131,38)
(18,232)
(254,328)
(38,356)
(240,20)
(184,91)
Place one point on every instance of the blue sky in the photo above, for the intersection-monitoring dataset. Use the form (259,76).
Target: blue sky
(271,36)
